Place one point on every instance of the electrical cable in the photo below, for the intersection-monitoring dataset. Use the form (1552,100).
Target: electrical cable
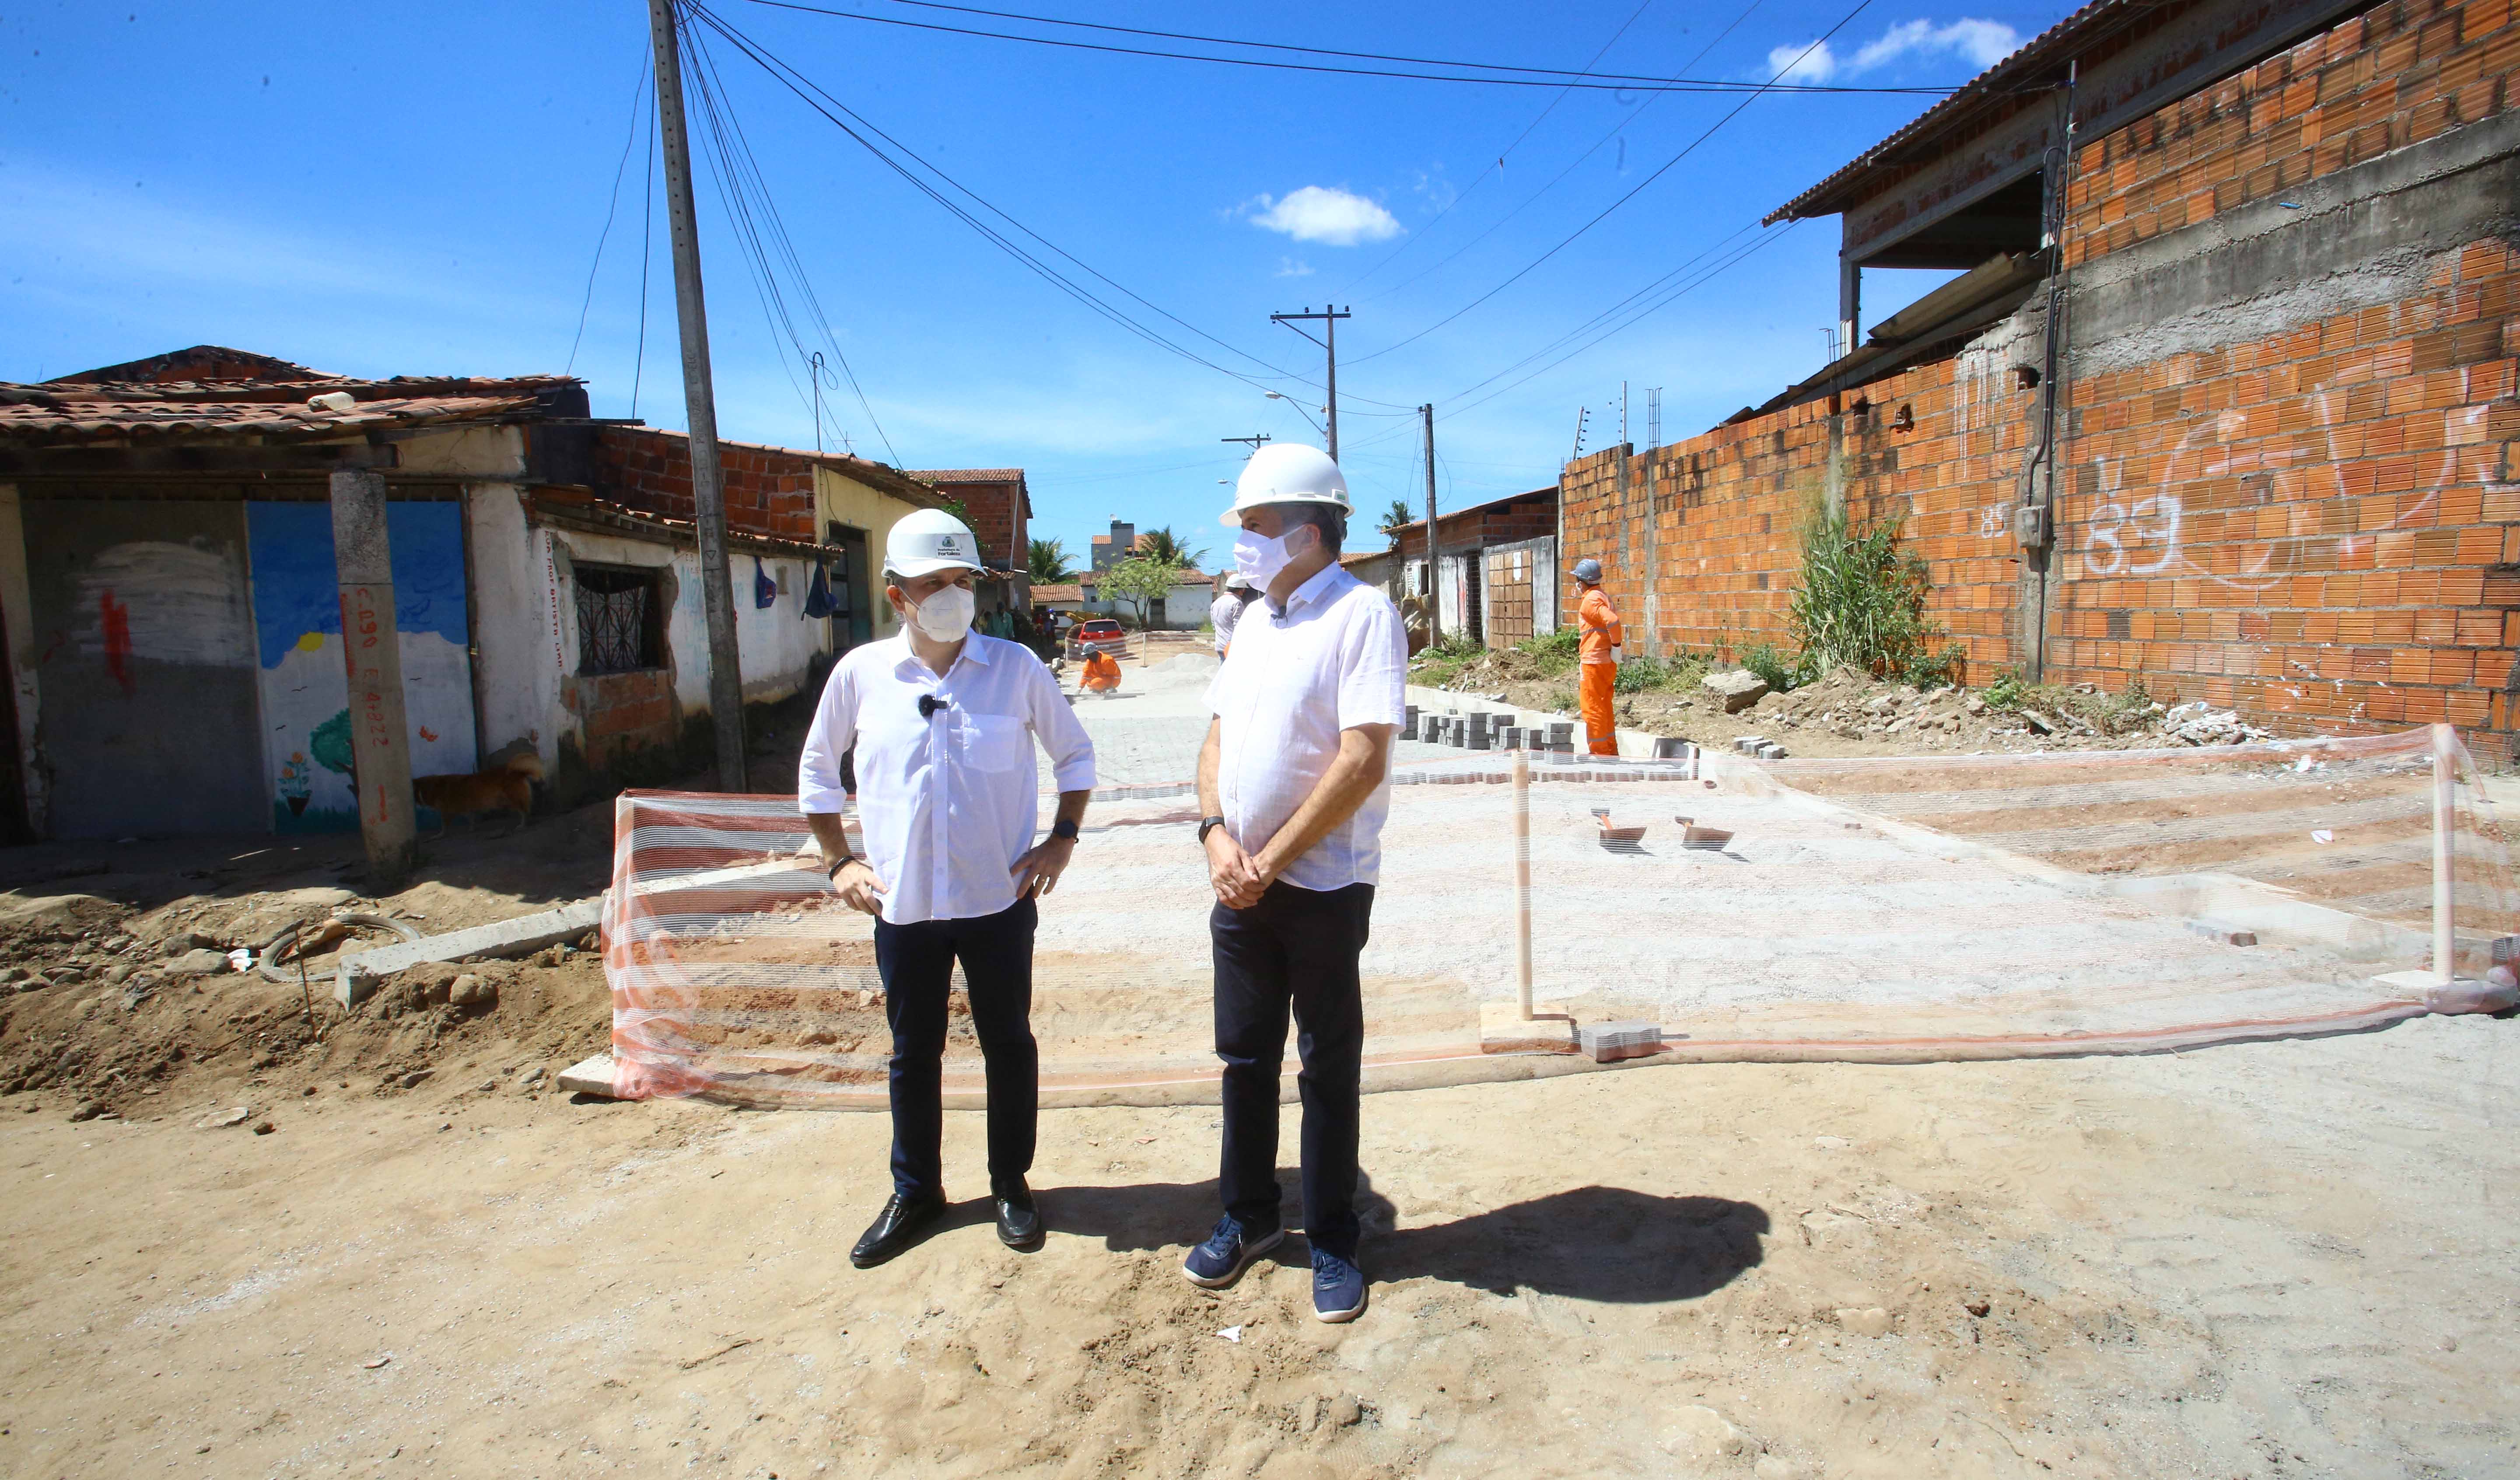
(1603,214)
(858,128)
(646,242)
(1496,165)
(1536,76)
(1571,165)
(739,165)
(638,90)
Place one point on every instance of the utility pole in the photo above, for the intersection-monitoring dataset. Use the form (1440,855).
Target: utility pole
(700,400)
(379,738)
(1330,318)
(1253,441)
(1434,588)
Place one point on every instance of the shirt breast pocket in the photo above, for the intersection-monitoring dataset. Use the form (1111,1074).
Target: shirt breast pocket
(996,742)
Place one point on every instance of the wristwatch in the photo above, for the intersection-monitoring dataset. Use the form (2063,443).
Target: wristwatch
(1064,828)
(833,872)
(1204,824)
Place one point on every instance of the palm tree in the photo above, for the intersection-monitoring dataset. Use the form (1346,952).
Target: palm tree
(1165,549)
(1396,516)
(1046,561)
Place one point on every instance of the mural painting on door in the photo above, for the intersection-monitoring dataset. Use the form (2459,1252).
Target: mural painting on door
(304,680)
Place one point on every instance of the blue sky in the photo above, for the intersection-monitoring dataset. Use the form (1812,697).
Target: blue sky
(405,189)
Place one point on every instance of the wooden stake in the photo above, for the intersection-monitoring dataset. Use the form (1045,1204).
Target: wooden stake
(1522,880)
(2444,820)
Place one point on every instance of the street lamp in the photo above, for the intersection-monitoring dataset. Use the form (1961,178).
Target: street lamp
(1299,409)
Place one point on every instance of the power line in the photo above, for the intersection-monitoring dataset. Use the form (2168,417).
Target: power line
(1604,212)
(1494,166)
(739,166)
(638,90)
(1571,165)
(858,128)
(646,242)
(1531,76)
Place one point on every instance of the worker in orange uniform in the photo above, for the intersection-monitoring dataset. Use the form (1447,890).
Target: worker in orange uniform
(1602,639)
(1101,673)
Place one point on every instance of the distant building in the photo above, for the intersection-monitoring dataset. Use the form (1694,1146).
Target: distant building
(998,505)
(1111,549)
(1496,568)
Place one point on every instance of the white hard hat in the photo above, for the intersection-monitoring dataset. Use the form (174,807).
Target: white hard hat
(1236,581)
(927,541)
(1287,472)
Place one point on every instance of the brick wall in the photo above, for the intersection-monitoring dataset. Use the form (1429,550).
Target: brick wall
(997,517)
(1938,447)
(2394,75)
(768,491)
(625,714)
(2319,526)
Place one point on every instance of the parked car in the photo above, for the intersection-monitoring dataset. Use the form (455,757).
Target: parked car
(1097,634)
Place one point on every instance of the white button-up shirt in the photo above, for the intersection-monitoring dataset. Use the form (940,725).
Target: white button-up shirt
(1336,657)
(948,802)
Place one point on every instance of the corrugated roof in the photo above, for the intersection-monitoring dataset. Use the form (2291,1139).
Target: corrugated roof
(1988,90)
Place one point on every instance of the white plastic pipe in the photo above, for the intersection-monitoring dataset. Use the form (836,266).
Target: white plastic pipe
(2445,818)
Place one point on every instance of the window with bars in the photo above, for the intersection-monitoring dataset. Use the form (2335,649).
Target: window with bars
(620,619)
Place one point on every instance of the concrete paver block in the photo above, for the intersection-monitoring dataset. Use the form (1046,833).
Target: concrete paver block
(1607,1042)
(588,1076)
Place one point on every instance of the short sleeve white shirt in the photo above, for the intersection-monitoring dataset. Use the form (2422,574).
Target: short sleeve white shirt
(1222,614)
(1336,657)
(947,801)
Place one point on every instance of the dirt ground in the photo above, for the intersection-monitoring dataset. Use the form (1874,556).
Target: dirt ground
(2281,1259)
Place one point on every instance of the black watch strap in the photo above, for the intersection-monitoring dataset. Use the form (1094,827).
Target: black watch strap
(1204,824)
(843,862)
(1064,828)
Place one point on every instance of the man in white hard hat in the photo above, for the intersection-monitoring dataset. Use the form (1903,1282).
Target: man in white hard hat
(1294,784)
(1227,609)
(943,719)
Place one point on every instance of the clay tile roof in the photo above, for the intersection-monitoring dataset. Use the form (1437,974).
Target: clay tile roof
(965,474)
(1067,591)
(61,412)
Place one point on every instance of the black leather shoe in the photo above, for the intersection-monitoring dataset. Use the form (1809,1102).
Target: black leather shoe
(1018,1220)
(895,1229)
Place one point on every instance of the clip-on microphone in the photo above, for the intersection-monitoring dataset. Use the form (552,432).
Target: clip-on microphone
(929,703)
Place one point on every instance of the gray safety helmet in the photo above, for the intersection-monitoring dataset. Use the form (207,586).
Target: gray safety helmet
(1589,569)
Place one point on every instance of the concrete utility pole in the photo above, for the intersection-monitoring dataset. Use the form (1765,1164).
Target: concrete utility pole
(379,737)
(1330,318)
(1434,588)
(699,399)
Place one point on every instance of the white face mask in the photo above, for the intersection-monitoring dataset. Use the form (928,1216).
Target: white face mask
(946,616)
(1260,558)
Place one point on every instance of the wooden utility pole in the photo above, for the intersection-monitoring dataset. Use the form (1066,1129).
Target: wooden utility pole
(700,400)
(1434,576)
(1330,318)
(372,647)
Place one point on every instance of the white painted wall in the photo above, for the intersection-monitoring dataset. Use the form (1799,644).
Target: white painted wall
(518,602)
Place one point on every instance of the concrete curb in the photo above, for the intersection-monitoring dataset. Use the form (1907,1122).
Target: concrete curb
(359,973)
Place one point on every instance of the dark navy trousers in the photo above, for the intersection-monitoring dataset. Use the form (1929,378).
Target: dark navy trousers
(916,963)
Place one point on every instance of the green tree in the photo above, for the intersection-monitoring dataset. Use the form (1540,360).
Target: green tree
(1046,561)
(1396,516)
(1165,548)
(1143,579)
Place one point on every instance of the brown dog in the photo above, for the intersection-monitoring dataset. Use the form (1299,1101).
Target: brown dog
(507,786)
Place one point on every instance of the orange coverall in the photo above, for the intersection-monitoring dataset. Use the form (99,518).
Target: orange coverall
(1101,672)
(1599,621)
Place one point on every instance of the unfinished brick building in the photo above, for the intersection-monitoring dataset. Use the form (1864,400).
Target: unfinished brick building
(2281,243)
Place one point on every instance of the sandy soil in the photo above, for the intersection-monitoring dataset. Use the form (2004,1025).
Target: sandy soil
(2283,1259)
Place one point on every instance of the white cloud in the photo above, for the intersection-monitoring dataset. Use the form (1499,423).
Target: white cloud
(1330,216)
(1293,267)
(1980,43)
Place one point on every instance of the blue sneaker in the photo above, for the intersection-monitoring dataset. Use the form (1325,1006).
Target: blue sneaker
(1226,1253)
(1338,1287)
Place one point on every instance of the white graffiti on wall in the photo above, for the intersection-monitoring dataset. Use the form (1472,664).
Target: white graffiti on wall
(2143,531)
